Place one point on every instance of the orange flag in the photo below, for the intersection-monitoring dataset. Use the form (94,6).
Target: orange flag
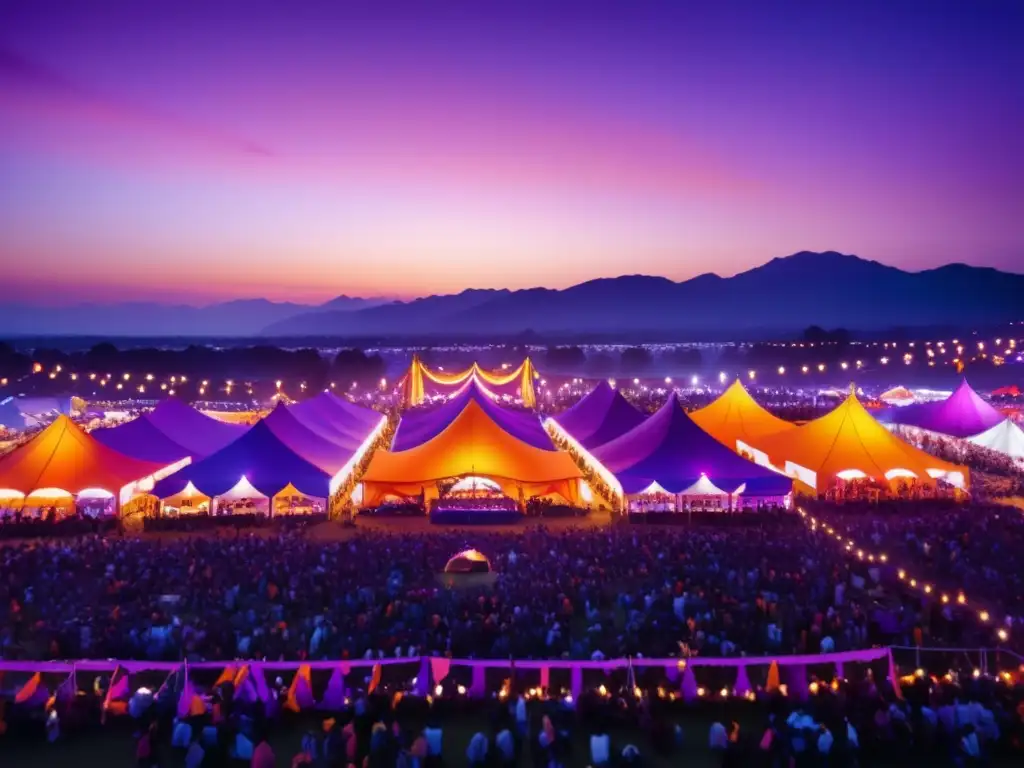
(227,676)
(772,684)
(29,689)
(300,692)
(375,676)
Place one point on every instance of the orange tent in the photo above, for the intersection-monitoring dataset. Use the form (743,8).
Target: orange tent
(64,457)
(737,417)
(473,444)
(847,442)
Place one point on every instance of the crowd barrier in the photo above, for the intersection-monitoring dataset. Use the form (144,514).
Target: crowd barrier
(788,674)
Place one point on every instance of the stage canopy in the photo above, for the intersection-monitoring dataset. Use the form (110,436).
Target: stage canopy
(63,457)
(421,382)
(669,452)
(472,444)
(603,415)
(260,458)
(962,414)
(897,395)
(736,417)
(1005,437)
(848,443)
(420,425)
(170,432)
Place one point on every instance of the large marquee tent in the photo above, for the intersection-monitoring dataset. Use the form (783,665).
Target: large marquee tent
(962,414)
(1005,437)
(669,453)
(64,461)
(259,459)
(417,426)
(170,432)
(329,437)
(847,443)
(735,417)
(473,444)
(600,417)
(421,382)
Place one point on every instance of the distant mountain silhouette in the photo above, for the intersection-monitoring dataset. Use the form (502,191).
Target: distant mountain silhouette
(243,317)
(786,294)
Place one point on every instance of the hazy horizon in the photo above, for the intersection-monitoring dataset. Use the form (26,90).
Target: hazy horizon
(208,152)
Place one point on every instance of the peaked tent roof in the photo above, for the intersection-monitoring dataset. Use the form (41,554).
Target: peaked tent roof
(141,439)
(735,416)
(473,443)
(603,415)
(261,457)
(326,449)
(671,450)
(849,438)
(64,456)
(338,415)
(198,432)
(170,432)
(1005,437)
(420,426)
(962,414)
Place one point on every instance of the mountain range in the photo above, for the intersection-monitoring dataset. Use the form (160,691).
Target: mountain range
(786,294)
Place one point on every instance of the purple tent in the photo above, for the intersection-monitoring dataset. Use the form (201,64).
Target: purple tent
(962,414)
(420,425)
(335,416)
(259,456)
(169,433)
(320,446)
(671,450)
(600,417)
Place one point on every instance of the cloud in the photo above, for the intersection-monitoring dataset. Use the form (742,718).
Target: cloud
(39,93)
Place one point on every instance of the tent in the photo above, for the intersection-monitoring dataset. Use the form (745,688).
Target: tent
(63,457)
(472,444)
(736,417)
(1009,391)
(336,416)
(421,381)
(322,444)
(603,415)
(848,443)
(670,451)
(1005,437)
(260,458)
(170,432)
(962,414)
(470,561)
(421,425)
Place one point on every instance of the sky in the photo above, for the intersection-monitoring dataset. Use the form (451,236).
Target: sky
(196,152)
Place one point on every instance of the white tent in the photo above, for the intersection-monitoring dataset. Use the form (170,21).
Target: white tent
(1005,437)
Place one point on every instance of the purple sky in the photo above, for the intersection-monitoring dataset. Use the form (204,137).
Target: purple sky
(198,151)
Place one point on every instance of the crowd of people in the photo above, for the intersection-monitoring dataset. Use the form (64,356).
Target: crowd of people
(976,550)
(767,587)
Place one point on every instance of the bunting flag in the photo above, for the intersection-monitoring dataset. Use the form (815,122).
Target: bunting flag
(375,676)
(190,704)
(630,676)
(117,692)
(772,683)
(170,684)
(742,685)
(894,678)
(334,696)
(300,692)
(545,678)
(439,668)
(30,690)
(689,686)
(227,676)
(576,682)
(245,689)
